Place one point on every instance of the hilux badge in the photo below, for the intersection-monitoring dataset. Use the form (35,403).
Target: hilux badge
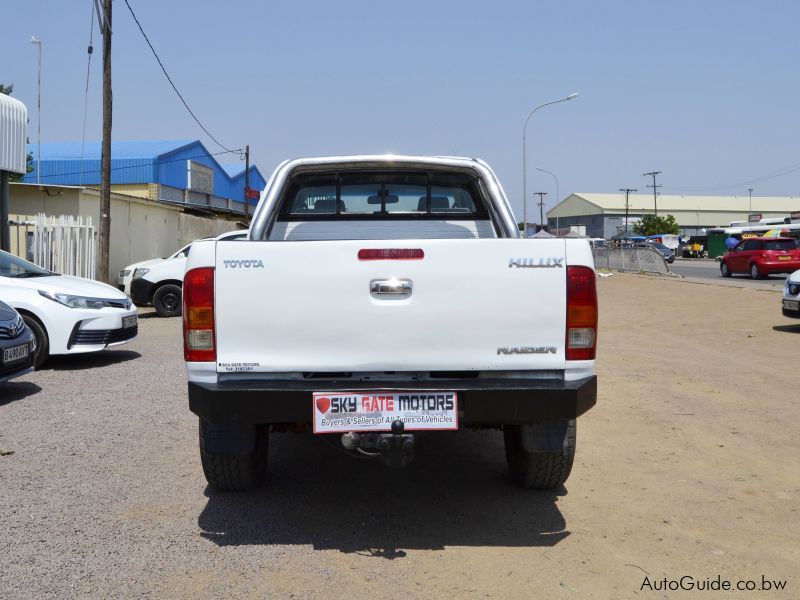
(531,263)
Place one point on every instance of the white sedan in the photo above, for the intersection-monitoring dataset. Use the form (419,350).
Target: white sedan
(67,315)
(158,282)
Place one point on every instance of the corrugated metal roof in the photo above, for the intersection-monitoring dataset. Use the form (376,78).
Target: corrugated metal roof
(119,150)
(13,131)
(138,162)
(668,202)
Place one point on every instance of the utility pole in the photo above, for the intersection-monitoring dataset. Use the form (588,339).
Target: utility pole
(655,188)
(246,182)
(105,159)
(541,206)
(627,191)
(751,208)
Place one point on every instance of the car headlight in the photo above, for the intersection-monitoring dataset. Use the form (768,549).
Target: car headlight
(794,288)
(85,301)
(140,273)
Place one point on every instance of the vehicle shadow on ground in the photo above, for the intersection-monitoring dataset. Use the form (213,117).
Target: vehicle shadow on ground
(787,328)
(150,315)
(13,391)
(89,360)
(455,493)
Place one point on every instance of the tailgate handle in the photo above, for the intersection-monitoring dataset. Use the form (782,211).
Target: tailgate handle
(394,288)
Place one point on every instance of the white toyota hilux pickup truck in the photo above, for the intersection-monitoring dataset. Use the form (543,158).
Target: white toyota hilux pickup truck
(381,299)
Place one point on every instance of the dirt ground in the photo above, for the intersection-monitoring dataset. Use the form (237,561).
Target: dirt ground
(687,466)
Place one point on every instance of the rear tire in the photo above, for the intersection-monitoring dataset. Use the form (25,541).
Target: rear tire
(235,471)
(167,300)
(755,272)
(539,470)
(42,352)
(724,269)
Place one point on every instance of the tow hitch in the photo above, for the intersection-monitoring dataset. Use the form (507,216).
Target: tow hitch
(394,449)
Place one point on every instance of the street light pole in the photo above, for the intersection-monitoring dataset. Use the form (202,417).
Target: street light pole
(557,194)
(525,161)
(38,43)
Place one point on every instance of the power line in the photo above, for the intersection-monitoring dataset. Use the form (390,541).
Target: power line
(208,133)
(773,175)
(655,189)
(541,206)
(627,192)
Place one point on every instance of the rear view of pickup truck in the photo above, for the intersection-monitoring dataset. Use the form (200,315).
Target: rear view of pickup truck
(379,300)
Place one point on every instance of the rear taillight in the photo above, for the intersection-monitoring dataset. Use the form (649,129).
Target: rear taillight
(198,316)
(391,254)
(581,313)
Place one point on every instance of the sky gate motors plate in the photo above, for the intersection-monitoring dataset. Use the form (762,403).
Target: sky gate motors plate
(340,412)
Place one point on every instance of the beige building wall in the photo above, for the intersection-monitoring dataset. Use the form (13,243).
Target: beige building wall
(140,229)
(30,200)
(140,190)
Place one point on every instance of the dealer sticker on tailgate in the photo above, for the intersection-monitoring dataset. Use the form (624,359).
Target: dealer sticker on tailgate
(340,412)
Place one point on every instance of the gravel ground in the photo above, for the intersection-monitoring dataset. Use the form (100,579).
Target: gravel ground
(687,466)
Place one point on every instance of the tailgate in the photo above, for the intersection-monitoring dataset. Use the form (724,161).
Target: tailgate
(486,304)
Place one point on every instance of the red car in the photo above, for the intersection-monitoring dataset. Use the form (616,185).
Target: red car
(761,257)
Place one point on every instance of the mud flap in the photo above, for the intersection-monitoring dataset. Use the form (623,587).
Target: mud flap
(229,439)
(544,436)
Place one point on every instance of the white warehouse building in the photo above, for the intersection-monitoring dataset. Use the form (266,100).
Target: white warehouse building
(603,215)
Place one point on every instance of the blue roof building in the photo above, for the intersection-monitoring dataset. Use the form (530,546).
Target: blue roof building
(175,171)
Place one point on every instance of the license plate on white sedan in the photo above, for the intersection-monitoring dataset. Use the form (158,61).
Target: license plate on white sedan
(340,412)
(15,353)
(791,304)
(129,321)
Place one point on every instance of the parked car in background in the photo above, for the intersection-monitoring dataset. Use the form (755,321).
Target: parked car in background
(761,257)
(667,253)
(158,282)
(17,344)
(791,296)
(126,275)
(67,315)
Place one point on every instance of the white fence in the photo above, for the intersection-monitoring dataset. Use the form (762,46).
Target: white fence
(647,260)
(64,244)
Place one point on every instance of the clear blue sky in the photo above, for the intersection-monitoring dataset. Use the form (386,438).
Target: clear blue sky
(706,91)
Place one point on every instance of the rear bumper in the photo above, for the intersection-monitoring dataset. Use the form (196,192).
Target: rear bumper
(778,266)
(483,401)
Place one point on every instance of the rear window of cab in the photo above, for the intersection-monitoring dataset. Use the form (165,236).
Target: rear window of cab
(383,195)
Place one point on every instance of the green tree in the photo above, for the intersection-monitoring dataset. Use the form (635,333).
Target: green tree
(653,225)
(17,177)
(6,89)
